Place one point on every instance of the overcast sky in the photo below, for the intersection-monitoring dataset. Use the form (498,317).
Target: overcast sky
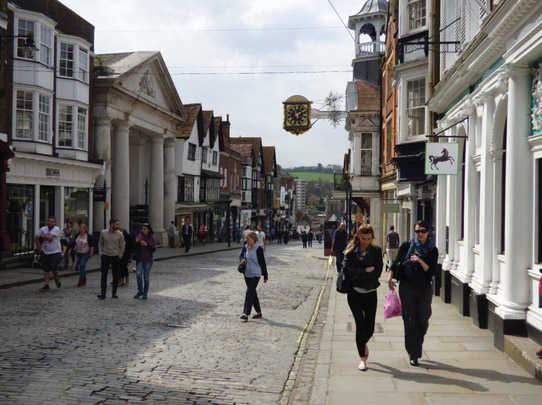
(197,36)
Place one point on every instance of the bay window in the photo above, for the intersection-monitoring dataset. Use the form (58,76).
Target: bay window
(24,115)
(46,45)
(81,127)
(83,65)
(65,126)
(66,60)
(416,107)
(416,14)
(44,117)
(72,126)
(25,31)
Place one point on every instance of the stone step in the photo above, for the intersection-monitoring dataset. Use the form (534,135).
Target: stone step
(523,351)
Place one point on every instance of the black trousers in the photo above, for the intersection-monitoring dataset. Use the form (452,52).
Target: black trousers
(416,305)
(251,296)
(186,239)
(363,307)
(114,262)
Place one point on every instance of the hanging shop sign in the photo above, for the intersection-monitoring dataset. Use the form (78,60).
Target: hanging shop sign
(297,115)
(441,158)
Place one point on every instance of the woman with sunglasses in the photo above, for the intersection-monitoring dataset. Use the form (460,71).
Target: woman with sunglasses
(414,268)
(362,267)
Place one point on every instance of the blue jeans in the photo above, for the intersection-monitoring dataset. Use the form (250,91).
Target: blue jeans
(82,259)
(143,270)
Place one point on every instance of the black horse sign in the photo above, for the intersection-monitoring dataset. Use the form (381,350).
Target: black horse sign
(441,158)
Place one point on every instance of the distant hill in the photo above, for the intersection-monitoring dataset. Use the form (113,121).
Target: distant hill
(312,176)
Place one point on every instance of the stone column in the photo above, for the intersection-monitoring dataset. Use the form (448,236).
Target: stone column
(120,192)
(157,185)
(441,217)
(37,209)
(518,216)
(170,184)
(480,282)
(102,147)
(59,206)
(451,220)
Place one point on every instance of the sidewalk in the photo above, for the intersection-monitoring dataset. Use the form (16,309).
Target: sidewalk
(25,275)
(459,365)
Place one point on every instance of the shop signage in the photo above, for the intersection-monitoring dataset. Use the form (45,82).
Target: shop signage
(52,172)
(99,194)
(441,158)
(390,208)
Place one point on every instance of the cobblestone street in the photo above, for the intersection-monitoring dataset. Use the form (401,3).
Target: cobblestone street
(184,345)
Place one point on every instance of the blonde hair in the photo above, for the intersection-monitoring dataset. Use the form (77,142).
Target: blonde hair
(362,230)
(253,236)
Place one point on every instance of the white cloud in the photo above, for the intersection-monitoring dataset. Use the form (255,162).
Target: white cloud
(180,30)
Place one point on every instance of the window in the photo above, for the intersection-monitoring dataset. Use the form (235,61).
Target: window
(46,44)
(66,60)
(44,117)
(65,126)
(416,107)
(416,14)
(366,154)
(83,64)
(215,158)
(204,154)
(26,30)
(24,118)
(191,151)
(245,184)
(81,127)
(189,188)
(180,189)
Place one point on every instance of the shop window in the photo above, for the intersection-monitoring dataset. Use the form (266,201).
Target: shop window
(416,14)
(191,152)
(20,217)
(24,115)
(66,59)
(25,31)
(366,154)
(416,107)
(46,45)
(76,204)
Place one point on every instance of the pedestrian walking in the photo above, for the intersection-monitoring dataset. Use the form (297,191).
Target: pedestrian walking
(253,256)
(50,253)
(187,230)
(129,248)
(362,267)
(310,236)
(304,239)
(67,244)
(414,268)
(392,245)
(261,237)
(84,250)
(171,231)
(111,248)
(145,247)
(286,237)
(338,244)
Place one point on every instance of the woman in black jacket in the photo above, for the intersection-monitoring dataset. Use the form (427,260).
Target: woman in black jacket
(414,268)
(362,267)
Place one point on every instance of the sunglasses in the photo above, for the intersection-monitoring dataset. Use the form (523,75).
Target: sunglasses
(421,231)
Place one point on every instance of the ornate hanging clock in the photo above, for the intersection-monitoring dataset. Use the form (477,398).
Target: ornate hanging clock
(297,115)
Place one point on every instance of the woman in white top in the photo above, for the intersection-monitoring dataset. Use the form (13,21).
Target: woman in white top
(83,250)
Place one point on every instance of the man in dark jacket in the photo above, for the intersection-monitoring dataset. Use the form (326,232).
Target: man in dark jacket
(338,244)
(187,230)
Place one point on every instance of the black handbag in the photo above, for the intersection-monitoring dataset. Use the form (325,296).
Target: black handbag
(242,267)
(344,285)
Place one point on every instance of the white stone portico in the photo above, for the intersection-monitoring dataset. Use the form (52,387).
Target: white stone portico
(138,114)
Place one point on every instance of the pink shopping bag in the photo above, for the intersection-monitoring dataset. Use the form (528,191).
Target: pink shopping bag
(392,305)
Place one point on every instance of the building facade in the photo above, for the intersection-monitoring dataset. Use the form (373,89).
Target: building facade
(48,74)
(488,216)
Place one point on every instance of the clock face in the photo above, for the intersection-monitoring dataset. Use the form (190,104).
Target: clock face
(297,115)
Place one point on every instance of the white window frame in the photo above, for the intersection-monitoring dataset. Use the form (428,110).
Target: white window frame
(61,122)
(20,37)
(60,67)
(25,111)
(204,154)
(46,44)
(75,128)
(46,114)
(35,113)
(82,128)
(420,20)
(366,171)
(84,68)
(420,106)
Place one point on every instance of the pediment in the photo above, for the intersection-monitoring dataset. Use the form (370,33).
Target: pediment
(150,81)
